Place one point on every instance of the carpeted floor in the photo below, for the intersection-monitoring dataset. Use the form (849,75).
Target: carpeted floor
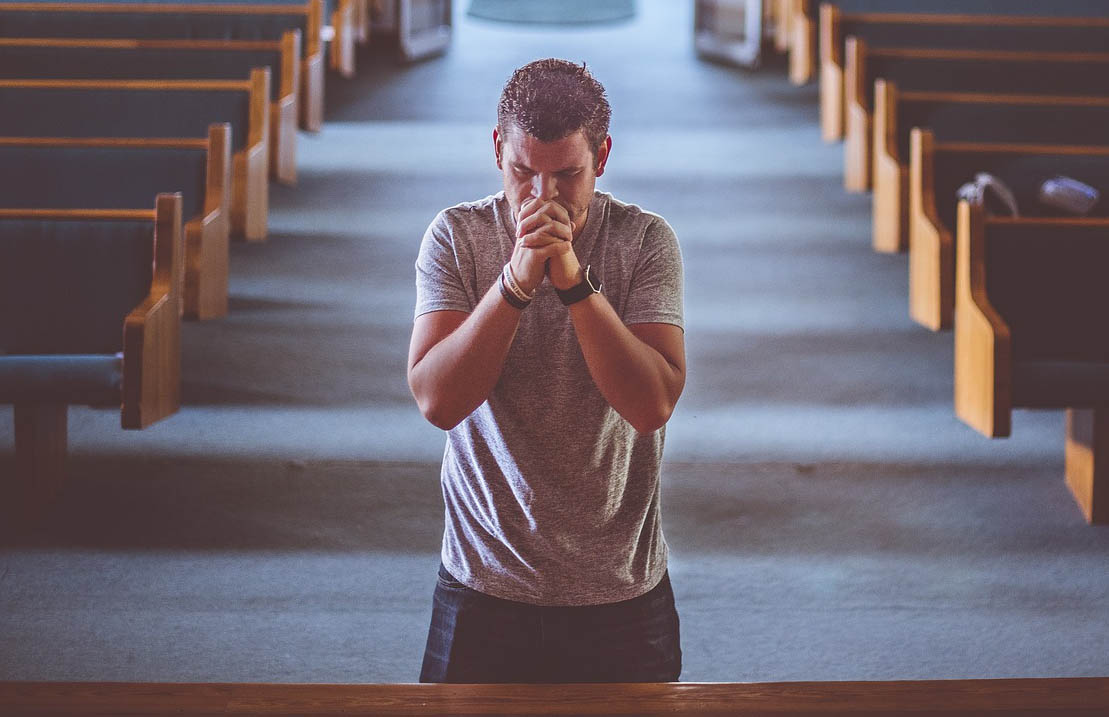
(828,516)
(564,12)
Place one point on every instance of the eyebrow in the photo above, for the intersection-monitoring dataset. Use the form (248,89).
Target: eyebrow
(572,168)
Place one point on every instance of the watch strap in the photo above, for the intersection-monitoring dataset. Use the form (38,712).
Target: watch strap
(588,286)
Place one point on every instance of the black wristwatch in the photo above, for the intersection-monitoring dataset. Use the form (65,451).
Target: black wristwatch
(590,284)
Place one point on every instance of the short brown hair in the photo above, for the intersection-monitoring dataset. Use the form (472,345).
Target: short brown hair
(551,99)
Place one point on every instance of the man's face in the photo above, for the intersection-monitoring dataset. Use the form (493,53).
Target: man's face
(564,171)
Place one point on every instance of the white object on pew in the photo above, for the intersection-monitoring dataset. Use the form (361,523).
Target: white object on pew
(984,187)
(1068,195)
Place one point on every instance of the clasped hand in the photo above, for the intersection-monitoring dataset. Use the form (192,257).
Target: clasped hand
(544,236)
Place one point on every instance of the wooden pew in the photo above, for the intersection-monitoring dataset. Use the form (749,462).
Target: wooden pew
(803,46)
(73,59)
(935,31)
(802,40)
(970,117)
(937,169)
(89,314)
(121,173)
(166,21)
(1039,696)
(992,71)
(1030,332)
(162,108)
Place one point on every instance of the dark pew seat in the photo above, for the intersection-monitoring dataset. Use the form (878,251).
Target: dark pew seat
(938,169)
(965,117)
(927,70)
(1030,333)
(121,174)
(89,314)
(75,59)
(184,20)
(157,109)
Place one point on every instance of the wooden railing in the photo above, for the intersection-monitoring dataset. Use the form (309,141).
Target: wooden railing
(1062,696)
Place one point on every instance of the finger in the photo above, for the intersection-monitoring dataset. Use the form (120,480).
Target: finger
(544,237)
(542,224)
(538,211)
(527,208)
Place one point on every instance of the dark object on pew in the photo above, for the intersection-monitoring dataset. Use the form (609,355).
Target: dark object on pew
(965,117)
(912,70)
(170,21)
(77,59)
(163,108)
(90,315)
(938,167)
(803,18)
(916,29)
(1030,332)
(121,174)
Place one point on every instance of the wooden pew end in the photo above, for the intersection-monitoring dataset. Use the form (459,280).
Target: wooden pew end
(1087,461)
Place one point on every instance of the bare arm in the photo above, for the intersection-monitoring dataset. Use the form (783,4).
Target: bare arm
(639,369)
(455,359)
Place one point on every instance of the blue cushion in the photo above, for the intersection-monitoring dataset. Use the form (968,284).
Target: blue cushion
(90,380)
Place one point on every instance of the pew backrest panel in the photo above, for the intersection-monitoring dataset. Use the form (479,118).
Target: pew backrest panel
(95,283)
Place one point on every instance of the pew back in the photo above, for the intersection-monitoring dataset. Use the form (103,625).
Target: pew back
(938,169)
(965,117)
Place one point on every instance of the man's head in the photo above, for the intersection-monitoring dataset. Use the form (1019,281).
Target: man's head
(552,137)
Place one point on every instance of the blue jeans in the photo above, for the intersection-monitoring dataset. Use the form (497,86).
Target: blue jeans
(477,638)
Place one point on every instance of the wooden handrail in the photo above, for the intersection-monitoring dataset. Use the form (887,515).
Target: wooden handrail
(103,214)
(182,8)
(158,142)
(922,18)
(218,85)
(139,43)
(992,55)
(1060,696)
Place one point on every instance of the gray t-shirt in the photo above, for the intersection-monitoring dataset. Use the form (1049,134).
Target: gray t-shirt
(552,498)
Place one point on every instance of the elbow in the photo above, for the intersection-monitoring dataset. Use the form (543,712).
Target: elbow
(436,414)
(433,409)
(652,419)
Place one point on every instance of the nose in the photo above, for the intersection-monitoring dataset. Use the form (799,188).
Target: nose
(544,186)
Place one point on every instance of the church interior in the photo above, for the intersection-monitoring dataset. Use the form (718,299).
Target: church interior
(841,503)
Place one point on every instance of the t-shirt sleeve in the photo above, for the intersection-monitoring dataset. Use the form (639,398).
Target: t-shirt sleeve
(439,285)
(655,295)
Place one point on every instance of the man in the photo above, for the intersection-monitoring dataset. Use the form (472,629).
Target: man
(548,341)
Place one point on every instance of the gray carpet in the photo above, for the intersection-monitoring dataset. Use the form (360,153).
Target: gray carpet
(828,516)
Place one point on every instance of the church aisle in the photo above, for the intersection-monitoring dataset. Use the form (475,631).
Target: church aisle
(828,516)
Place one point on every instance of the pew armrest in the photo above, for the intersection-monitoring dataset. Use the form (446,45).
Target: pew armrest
(152,331)
(931,249)
(983,344)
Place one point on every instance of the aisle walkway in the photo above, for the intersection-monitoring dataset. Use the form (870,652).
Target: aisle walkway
(829,518)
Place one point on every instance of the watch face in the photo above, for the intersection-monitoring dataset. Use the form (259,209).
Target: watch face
(592,279)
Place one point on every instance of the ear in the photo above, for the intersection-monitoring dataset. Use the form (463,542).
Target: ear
(497,146)
(602,155)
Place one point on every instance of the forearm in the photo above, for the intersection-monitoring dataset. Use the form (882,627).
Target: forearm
(638,381)
(457,374)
